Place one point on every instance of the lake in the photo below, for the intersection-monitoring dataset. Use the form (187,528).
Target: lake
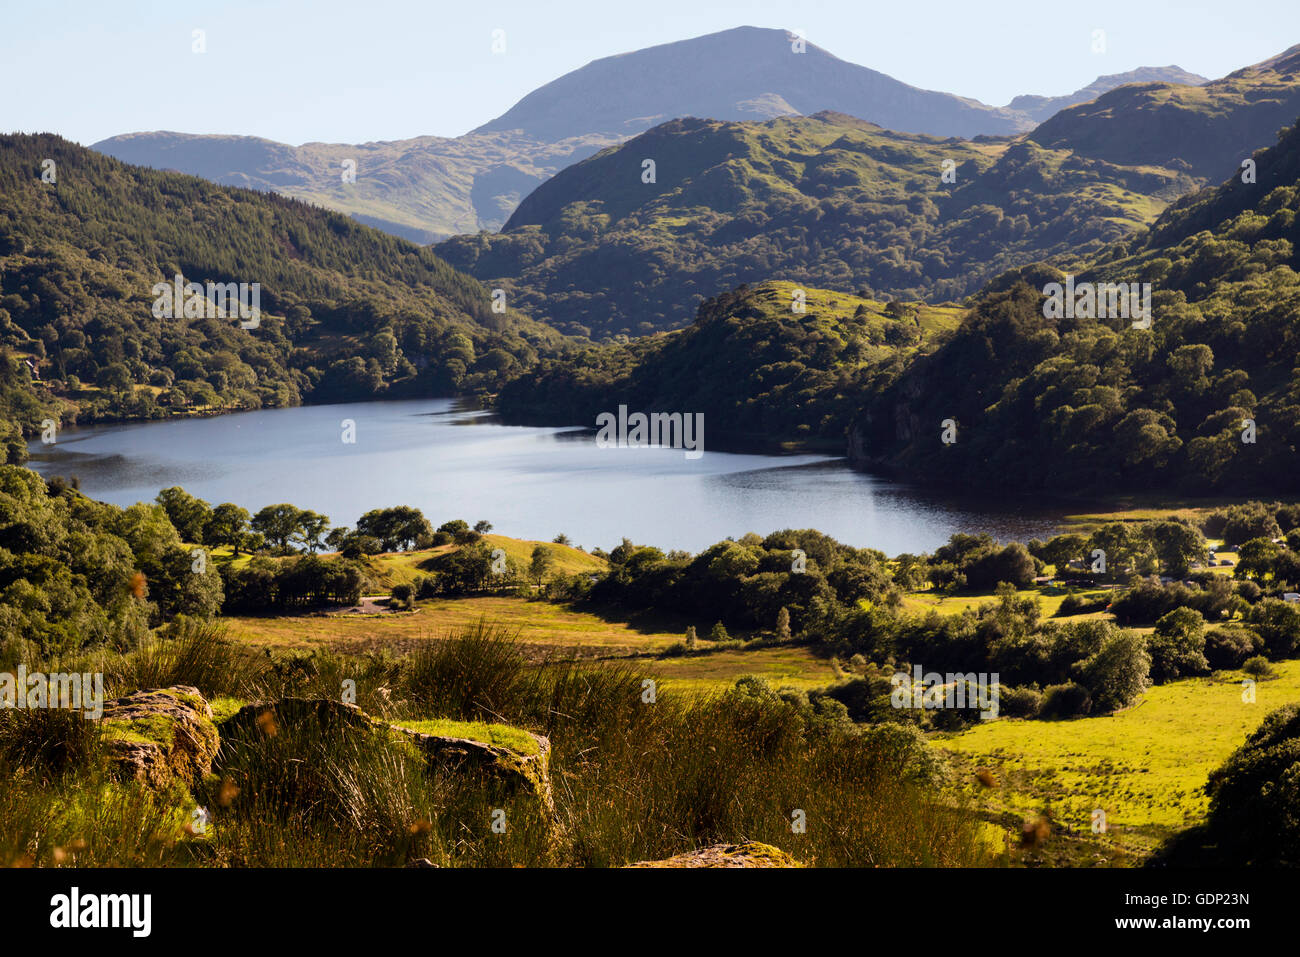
(529,482)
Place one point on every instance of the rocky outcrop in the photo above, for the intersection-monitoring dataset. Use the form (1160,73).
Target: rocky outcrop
(749,854)
(510,772)
(516,772)
(161,736)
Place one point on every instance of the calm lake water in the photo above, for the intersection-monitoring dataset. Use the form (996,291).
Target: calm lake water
(529,482)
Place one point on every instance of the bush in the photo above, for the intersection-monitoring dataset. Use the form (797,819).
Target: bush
(1070,605)
(1022,702)
(1229,646)
(402,596)
(1254,802)
(1257,667)
(1069,700)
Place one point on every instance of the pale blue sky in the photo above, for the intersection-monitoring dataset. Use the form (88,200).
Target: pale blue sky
(359,70)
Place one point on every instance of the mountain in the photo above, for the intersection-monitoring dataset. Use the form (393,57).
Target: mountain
(429,188)
(1205,400)
(1037,109)
(1205,130)
(346,311)
(747,73)
(421,189)
(828,200)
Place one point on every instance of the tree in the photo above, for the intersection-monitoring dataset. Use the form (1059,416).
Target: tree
(691,638)
(278,523)
(1177,545)
(1063,549)
(483,526)
(719,632)
(541,564)
(397,528)
(115,377)
(1124,547)
(1117,672)
(178,589)
(1177,647)
(783,624)
(1254,817)
(188,514)
(311,527)
(1278,623)
(227,525)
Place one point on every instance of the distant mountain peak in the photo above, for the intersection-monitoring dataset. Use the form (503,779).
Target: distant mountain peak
(744,73)
(1288,61)
(1040,108)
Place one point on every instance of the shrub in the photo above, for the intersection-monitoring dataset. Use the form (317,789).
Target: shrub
(1229,646)
(403,596)
(1254,814)
(1021,702)
(1069,700)
(1257,667)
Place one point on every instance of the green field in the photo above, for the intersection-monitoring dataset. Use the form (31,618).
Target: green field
(536,623)
(1144,766)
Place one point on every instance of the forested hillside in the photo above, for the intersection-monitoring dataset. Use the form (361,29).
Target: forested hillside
(762,372)
(346,311)
(828,201)
(1207,399)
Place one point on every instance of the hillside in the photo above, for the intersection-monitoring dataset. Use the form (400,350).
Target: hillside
(760,372)
(1090,404)
(430,188)
(1206,130)
(1041,108)
(347,312)
(828,201)
(421,189)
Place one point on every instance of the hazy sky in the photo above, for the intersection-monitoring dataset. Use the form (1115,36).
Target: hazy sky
(358,70)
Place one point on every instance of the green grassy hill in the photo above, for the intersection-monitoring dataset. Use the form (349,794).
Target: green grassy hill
(1206,129)
(827,201)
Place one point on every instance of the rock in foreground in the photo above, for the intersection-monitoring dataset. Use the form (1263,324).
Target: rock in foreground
(749,854)
(161,736)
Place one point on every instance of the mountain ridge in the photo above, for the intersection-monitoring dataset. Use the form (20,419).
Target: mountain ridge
(430,188)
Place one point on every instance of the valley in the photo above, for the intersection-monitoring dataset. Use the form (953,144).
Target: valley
(327,461)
